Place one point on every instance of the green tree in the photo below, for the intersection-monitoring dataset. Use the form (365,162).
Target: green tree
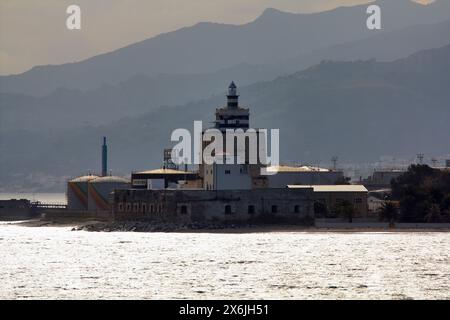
(389,212)
(345,209)
(423,194)
(433,214)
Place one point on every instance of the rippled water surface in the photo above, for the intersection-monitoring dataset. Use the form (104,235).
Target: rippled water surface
(58,263)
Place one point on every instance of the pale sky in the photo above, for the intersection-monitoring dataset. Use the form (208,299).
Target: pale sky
(33,32)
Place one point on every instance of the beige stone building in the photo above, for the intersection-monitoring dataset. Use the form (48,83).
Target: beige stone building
(332,195)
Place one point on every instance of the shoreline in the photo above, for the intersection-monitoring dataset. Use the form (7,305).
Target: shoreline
(152,227)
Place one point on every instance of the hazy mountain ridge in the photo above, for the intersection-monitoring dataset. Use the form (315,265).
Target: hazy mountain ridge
(385,46)
(66,108)
(355,110)
(205,47)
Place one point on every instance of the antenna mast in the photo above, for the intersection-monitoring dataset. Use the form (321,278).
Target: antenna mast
(334,160)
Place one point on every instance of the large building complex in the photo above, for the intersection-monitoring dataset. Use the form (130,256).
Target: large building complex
(236,191)
(239,192)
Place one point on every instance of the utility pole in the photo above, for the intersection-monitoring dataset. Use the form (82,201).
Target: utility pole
(334,160)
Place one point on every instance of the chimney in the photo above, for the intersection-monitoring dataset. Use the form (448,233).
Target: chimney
(104,158)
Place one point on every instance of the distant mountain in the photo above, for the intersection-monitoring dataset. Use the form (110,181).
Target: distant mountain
(355,110)
(209,47)
(384,46)
(66,108)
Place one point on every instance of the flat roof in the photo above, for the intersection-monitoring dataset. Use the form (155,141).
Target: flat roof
(332,188)
(297,169)
(164,171)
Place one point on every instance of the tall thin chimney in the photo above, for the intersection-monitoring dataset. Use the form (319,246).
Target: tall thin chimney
(104,158)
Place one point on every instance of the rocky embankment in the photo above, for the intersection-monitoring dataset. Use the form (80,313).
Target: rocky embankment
(157,227)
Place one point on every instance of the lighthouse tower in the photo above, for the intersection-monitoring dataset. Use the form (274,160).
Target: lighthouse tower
(232,96)
(232,116)
(226,175)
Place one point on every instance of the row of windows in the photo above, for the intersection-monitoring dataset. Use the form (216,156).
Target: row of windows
(137,207)
(146,208)
(244,117)
(242,169)
(233,125)
(183,209)
(232,121)
(251,209)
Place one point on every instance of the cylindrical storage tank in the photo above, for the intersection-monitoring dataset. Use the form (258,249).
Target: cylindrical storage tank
(99,190)
(77,192)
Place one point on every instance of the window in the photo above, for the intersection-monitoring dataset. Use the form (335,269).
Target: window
(183,209)
(227,172)
(251,209)
(144,207)
(120,207)
(274,209)
(150,208)
(358,200)
(128,207)
(296,208)
(136,207)
(228,209)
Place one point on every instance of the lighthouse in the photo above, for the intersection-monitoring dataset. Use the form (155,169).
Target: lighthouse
(232,116)
(232,96)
